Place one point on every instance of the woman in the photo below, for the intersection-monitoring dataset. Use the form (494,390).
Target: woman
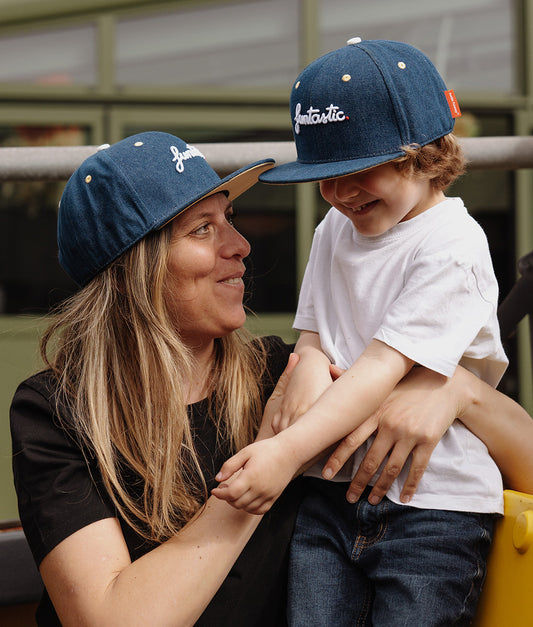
(150,386)
(115,446)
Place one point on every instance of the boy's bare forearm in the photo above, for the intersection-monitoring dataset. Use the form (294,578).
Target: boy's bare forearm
(346,403)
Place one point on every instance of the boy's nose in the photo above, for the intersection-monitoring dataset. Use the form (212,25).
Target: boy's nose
(346,188)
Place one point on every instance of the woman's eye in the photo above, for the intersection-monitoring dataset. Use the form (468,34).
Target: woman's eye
(202,230)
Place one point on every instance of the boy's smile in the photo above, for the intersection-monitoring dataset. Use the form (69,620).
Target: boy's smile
(375,200)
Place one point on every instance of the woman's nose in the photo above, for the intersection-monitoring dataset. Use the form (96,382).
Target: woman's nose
(235,244)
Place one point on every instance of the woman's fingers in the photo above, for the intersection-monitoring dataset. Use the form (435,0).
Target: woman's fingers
(419,462)
(274,407)
(373,459)
(347,446)
(283,381)
(398,458)
(396,461)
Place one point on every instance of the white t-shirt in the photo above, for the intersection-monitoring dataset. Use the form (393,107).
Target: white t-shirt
(427,288)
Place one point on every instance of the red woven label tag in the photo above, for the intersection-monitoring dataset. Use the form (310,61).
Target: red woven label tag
(452,103)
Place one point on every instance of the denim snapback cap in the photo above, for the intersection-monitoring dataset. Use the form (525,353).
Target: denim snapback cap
(354,108)
(129,189)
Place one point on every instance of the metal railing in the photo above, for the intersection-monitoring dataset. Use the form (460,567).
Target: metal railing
(57,163)
(482,153)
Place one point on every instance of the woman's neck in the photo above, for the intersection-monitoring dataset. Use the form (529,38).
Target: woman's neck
(202,365)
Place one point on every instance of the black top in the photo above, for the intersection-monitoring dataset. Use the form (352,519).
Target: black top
(59,492)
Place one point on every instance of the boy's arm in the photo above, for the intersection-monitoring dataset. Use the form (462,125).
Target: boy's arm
(347,402)
(307,382)
(268,466)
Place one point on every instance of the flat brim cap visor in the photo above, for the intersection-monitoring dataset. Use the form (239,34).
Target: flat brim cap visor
(354,108)
(136,186)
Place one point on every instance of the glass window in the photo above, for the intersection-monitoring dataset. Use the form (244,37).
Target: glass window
(31,279)
(234,44)
(64,56)
(471,42)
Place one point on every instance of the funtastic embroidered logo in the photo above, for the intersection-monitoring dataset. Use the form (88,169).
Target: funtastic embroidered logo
(180,157)
(315,116)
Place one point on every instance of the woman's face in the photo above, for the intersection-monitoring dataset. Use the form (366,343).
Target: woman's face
(205,272)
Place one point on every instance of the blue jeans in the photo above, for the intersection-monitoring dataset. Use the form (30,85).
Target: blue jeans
(383,565)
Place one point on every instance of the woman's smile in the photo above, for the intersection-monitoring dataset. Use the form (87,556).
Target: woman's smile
(205,272)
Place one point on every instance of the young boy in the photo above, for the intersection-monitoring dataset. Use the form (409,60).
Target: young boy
(399,275)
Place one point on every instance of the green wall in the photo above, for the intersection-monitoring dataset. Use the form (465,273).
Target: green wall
(19,337)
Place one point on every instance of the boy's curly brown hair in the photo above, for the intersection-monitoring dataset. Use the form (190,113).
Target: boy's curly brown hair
(442,161)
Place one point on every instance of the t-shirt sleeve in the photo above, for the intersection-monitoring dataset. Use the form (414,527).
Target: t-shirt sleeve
(57,489)
(446,310)
(305,318)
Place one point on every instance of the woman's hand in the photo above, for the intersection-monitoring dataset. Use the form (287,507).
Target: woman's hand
(309,379)
(273,406)
(409,423)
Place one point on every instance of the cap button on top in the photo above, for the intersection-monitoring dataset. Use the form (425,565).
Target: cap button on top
(353,41)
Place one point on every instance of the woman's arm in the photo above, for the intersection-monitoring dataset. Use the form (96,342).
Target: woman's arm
(92,581)
(503,425)
(415,417)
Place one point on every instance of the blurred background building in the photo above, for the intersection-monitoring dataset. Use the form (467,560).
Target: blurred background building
(94,71)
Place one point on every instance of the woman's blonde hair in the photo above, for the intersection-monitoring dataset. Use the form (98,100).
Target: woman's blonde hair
(442,161)
(122,370)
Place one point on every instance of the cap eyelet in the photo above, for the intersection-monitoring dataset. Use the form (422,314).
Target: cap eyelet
(138,143)
(401,65)
(346,78)
(297,85)
(88,178)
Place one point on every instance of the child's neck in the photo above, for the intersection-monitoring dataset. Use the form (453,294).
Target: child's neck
(433,198)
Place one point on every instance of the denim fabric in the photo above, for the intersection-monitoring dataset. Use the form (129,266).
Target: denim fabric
(384,565)
(125,191)
(355,107)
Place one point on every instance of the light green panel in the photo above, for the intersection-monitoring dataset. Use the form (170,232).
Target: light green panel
(19,338)
(171,116)
(273,324)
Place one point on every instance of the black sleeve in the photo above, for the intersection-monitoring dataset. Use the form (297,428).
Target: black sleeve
(57,490)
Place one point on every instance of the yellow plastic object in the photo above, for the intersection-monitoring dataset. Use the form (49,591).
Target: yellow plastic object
(507,597)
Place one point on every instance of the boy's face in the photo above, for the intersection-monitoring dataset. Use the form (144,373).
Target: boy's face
(377,199)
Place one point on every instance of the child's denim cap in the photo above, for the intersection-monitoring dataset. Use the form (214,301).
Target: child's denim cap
(129,189)
(354,108)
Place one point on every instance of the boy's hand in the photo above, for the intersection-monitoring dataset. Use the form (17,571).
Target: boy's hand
(264,470)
